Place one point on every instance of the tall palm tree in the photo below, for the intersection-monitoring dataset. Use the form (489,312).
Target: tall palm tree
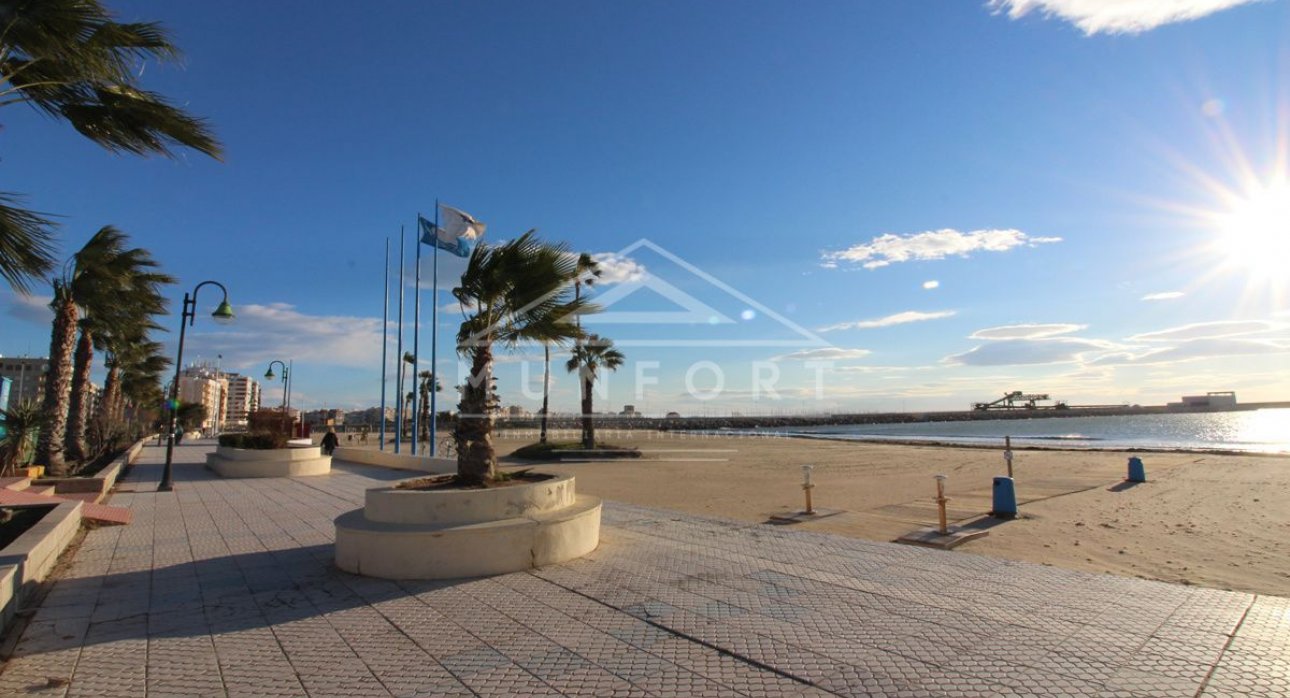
(520,291)
(591,355)
(132,299)
(72,61)
(424,387)
(101,277)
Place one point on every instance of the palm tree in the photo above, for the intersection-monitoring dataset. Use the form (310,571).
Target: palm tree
(520,291)
(424,388)
(71,60)
(22,423)
(123,297)
(588,357)
(587,273)
(102,277)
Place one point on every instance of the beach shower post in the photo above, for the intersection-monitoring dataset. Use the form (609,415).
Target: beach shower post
(807,486)
(940,502)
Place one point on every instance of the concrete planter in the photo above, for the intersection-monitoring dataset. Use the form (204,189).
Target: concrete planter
(277,462)
(442,534)
(397,461)
(100,483)
(30,557)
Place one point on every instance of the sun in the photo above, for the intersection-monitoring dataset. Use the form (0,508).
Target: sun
(1254,233)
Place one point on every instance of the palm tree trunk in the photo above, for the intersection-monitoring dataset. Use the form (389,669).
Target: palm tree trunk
(49,450)
(546,390)
(476,461)
(78,400)
(108,409)
(588,428)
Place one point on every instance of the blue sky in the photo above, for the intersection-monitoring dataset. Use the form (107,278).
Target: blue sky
(941,201)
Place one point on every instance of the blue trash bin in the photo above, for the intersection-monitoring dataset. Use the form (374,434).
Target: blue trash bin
(1005,499)
(1137,472)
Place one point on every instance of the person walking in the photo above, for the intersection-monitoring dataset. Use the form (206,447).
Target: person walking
(329,441)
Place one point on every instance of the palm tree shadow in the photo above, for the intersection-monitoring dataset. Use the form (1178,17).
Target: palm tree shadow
(226,594)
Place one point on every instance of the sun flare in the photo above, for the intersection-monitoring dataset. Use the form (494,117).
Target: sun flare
(1255,231)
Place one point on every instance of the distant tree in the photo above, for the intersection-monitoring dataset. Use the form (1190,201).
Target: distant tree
(191,415)
(72,61)
(589,356)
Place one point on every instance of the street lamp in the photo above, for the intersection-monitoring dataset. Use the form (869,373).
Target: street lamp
(223,315)
(286,379)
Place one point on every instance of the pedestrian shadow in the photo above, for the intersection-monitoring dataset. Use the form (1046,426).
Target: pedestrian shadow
(1124,485)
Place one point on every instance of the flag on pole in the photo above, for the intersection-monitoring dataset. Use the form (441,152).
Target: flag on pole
(457,234)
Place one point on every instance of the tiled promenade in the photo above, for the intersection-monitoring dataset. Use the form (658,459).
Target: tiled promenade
(225,587)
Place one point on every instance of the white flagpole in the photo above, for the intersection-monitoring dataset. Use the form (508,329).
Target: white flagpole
(416,340)
(434,339)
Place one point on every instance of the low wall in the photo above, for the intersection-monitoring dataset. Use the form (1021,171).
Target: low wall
(102,482)
(400,461)
(278,462)
(28,559)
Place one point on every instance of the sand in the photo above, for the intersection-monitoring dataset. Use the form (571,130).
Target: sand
(1219,521)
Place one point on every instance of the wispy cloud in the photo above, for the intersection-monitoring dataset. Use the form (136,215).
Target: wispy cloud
(1116,16)
(1207,330)
(824,354)
(897,319)
(1028,331)
(929,285)
(33,309)
(930,245)
(1012,352)
(263,333)
(1163,296)
(1206,348)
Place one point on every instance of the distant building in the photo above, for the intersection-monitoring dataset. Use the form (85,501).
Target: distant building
(243,398)
(28,376)
(204,385)
(517,412)
(673,415)
(1214,400)
(325,418)
(629,411)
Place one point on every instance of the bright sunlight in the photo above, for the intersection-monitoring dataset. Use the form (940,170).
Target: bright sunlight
(1256,231)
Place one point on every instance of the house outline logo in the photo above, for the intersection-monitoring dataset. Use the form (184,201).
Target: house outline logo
(692,310)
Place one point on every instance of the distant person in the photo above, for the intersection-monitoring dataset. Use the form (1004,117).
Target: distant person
(329,441)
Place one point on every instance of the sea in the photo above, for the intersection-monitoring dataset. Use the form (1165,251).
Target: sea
(1251,431)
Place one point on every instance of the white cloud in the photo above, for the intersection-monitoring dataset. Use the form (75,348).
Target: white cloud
(1163,296)
(1011,352)
(1029,331)
(1206,330)
(262,333)
(615,268)
(1206,348)
(929,285)
(897,319)
(824,354)
(1116,16)
(33,309)
(930,245)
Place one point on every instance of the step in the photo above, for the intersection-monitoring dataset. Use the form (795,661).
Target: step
(16,484)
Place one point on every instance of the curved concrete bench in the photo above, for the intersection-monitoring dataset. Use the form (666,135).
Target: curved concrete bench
(410,534)
(278,462)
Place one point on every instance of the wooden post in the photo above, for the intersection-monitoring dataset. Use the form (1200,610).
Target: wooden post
(807,486)
(940,502)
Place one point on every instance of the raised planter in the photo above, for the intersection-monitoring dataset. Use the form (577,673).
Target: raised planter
(30,557)
(443,534)
(100,483)
(277,462)
(397,461)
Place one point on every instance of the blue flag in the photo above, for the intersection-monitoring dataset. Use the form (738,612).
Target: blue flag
(458,234)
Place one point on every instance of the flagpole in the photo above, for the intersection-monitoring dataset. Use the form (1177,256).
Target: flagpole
(434,339)
(398,370)
(416,340)
(385,337)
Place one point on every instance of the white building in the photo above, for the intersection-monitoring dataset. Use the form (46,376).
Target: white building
(243,399)
(205,385)
(1214,400)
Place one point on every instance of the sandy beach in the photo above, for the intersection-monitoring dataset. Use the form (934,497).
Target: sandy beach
(1219,521)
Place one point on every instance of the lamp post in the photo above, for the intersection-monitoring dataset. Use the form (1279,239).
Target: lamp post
(286,381)
(223,315)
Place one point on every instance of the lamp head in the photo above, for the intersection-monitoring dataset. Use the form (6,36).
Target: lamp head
(269,374)
(224,313)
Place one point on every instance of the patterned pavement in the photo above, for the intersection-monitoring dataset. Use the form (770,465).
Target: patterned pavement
(226,587)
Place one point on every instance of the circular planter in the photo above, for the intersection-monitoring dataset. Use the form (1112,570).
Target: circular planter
(276,462)
(447,533)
